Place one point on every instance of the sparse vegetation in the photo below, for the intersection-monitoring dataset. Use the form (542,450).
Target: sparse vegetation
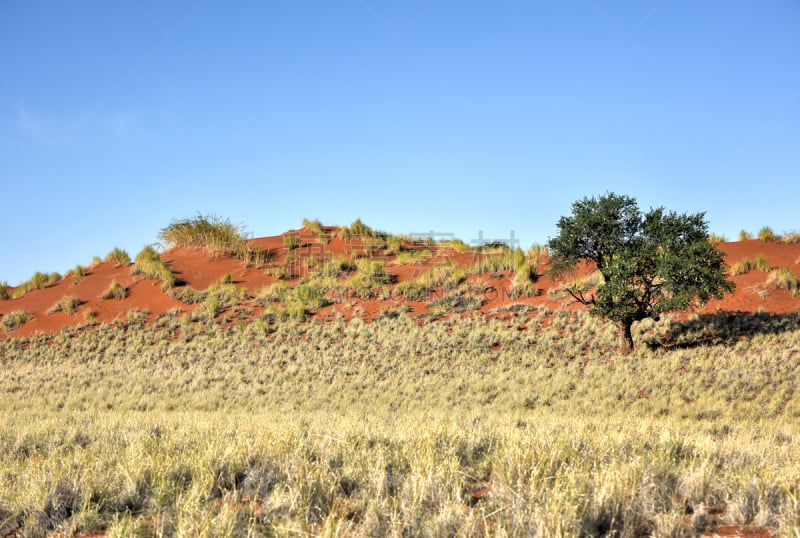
(217,235)
(68,304)
(359,230)
(77,271)
(766,234)
(37,282)
(744,235)
(15,319)
(115,290)
(292,241)
(783,278)
(761,263)
(742,267)
(150,265)
(5,291)
(118,257)
(714,238)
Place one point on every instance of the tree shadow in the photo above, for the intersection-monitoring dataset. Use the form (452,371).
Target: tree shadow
(722,328)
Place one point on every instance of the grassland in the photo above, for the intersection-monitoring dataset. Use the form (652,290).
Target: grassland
(529,425)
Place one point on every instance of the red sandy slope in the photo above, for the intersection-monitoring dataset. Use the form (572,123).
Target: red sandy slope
(199,268)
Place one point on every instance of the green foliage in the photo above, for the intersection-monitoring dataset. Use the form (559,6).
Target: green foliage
(217,235)
(370,279)
(37,282)
(762,264)
(651,263)
(766,234)
(15,319)
(338,267)
(118,257)
(150,265)
(414,256)
(292,241)
(68,304)
(314,226)
(783,278)
(456,244)
(115,290)
(77,271)
(359,230)
(395,244)
(217,298)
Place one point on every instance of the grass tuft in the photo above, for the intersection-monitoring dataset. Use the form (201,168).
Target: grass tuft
(14,320)
(37,282)
(115,290)
(118,257)
(783,278)
(68,304)
(766,234)
(150,265)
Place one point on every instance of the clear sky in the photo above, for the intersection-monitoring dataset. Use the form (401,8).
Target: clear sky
(450,116)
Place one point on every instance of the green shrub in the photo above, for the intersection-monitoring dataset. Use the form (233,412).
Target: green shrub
(150,265)
(219,236)
(414,256)
(783,278)
(766,234)
(292,241)
(358,229)
(68,304)
(316,227)
(395,244)
(14,320)
(275,292)
(118,257)
(411,290)
(115,290)
(744,235)
(455,244)
(217,298)
(37,282)
(78,271)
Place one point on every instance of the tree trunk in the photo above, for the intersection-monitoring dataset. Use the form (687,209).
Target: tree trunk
(625,336)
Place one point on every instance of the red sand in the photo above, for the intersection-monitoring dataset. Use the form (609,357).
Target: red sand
(199,268)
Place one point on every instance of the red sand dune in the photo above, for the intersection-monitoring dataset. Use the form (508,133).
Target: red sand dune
(198,268)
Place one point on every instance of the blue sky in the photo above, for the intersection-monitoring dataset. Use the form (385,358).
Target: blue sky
(433,115)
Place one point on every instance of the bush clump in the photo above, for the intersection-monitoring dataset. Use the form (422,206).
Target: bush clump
(115,290)
(37,282)
(118,257)
(150,265)
(14,320)
(68,304)
(783,278)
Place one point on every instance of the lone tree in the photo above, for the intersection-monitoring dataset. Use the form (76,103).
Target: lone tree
(651,263)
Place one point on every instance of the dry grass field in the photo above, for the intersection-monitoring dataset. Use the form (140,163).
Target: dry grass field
(529,425)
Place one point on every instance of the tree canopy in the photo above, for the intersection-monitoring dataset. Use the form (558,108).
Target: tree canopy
(651,263)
